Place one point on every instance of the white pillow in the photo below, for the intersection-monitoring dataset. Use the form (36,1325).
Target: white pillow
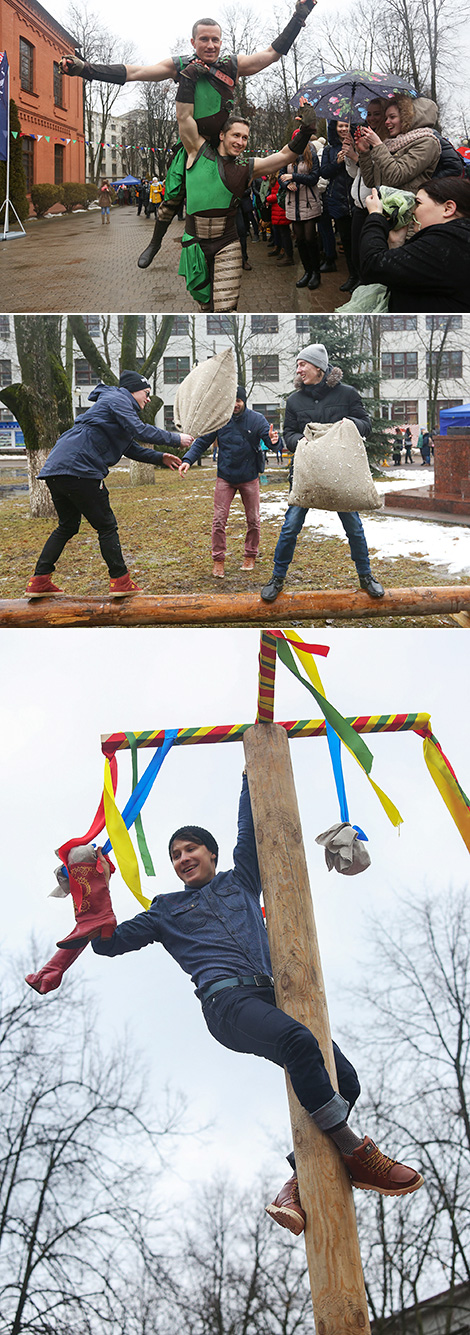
(331,469)
(206,399)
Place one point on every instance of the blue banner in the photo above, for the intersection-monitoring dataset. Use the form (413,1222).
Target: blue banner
(3,106)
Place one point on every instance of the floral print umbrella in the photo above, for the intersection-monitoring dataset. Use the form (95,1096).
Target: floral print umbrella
(346,95)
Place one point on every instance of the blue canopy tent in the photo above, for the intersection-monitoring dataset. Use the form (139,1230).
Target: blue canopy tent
(454,417)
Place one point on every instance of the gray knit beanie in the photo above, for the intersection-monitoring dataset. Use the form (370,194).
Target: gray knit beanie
(316,354)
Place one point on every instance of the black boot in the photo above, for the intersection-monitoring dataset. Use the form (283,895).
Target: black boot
(270,591)
(313,282)
(305,259)
(371,585)
(154,245)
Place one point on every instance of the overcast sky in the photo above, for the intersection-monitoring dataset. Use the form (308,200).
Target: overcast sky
(61,690)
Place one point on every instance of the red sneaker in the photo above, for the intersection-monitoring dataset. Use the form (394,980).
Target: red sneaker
(40,585)
(286,1210)
(373,1171)
(123,586)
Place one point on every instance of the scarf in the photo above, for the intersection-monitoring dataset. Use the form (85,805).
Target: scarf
(402,140)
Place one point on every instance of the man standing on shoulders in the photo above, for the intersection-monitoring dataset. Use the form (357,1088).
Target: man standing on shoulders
(239,463)
(320,398)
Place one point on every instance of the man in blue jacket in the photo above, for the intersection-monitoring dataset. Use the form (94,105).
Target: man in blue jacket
(214,929)
(240,460)
(78,463)
(321,398)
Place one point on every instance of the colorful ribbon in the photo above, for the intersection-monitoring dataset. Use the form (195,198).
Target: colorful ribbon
(118,825)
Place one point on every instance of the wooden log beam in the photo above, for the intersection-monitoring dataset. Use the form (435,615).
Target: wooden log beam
(334,1261)
(224,609)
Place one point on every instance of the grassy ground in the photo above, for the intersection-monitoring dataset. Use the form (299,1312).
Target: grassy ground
(165,535)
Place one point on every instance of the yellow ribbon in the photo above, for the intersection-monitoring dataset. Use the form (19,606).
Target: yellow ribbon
(121,841)
(448,789)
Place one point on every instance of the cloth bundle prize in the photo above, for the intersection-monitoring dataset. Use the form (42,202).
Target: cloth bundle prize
(331,470)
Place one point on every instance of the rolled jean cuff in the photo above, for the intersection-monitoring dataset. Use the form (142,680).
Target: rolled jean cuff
(336,1110)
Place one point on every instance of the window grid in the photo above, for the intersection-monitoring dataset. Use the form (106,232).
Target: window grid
(400,365)
(26,65)
(58,85)
(175,369)
(265,367)
(58,164)
(264,324)
(84,373)
(5,372)
(450,363)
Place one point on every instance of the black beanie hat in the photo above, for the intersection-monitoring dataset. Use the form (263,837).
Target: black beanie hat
(241,393)
(131,380)
(199,835)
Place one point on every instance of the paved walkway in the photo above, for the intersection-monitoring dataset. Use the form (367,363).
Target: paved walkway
(71,263)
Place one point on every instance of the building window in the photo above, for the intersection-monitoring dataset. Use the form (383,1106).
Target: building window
(4,326)
(92,323)
(58,85)
(401,410)
(27,148)
(140,325)
(398,323)
(113,154)
(180,325)
(271,411)
(113,140)
(265,367)
(219,324)
(441,404)
(449,363)
(26,65)
(264,324)
(302,324)
(58,164)
(84,373)
(175,369)
(168,419)
(5,372)
(443,322)
(399,365)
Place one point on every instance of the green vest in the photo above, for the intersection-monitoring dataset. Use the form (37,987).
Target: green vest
(205,190)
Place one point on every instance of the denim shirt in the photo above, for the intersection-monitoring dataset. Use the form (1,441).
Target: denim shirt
(213,932)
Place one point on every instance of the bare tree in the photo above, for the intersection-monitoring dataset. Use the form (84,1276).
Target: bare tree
(418,1039)
(97,43)
(42,402)
(76,1199)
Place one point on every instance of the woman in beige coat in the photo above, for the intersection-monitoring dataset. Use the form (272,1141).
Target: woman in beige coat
(410,154)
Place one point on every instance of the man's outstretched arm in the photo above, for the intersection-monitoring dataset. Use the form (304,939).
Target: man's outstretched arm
(294,149)
(86,69)
(280,45)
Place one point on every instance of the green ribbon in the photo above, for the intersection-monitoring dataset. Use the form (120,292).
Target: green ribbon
(139,829)
(339,724)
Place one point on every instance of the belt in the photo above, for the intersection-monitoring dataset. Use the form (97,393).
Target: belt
(247,980)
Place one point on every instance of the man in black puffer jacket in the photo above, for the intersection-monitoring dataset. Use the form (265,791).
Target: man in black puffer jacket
(240,460)
(322,399)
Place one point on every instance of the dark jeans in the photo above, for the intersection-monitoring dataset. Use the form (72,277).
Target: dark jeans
(294,521)
(74,497)
(246,1019)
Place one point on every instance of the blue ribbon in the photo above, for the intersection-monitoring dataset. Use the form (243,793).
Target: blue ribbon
(141,792)
(334,744)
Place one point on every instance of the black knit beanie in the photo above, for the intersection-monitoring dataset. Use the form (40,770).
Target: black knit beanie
(241,393)
(199,835)
(132,381)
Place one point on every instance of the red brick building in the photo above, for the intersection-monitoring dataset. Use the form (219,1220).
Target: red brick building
(50,105)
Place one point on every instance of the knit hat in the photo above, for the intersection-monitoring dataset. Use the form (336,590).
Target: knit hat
(132,381)
(241,393)
(199,835)
(316,354)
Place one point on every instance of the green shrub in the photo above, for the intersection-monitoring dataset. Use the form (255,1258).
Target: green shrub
(74,193)
(17,177)
(91,193)
(44,196)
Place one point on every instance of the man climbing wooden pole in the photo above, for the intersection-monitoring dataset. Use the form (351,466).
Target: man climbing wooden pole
(338,1293)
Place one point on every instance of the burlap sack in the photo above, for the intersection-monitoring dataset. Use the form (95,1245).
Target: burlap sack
(331,469)
(206,399)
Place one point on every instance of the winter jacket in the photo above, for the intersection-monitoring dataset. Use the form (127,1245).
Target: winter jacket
(327,401)
(278,215)
(100,437)
(410,166)
(431,272)
(238,456)
(305,201)
(214,932)
(338,191)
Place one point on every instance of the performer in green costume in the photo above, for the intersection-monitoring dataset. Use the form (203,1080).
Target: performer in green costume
(211,258)
(207,82)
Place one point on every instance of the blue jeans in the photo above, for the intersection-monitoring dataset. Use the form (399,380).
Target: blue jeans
(246,1019)
(294,521)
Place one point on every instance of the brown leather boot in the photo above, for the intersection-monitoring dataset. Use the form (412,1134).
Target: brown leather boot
(371,1170)
(89,883)
(51,974)
(286,1209)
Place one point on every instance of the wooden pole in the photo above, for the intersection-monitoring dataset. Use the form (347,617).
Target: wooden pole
(226,609)
(334,1261)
